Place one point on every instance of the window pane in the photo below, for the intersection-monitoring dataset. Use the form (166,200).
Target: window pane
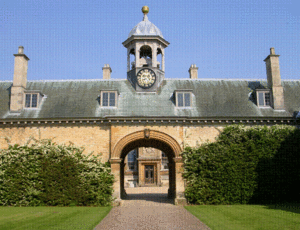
(180,99)
(27,101)
(34,100)
(112,101)
(132,156)
(187,99)
(261,99)
(105,99)
(267,98)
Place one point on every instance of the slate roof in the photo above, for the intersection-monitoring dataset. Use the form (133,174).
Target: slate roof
(210,99)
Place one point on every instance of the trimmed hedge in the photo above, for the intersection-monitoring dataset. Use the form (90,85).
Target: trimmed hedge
(245,165)
(45,173)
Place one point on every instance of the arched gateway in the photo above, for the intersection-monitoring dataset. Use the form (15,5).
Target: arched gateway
(154,139)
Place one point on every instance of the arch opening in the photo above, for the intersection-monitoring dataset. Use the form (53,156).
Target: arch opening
(146,56)
(147,163)
(132,59)
(148,139)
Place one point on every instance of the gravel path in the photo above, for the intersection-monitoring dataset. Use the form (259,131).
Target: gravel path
(148,208)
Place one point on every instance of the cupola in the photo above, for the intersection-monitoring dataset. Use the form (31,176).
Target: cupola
(146,44)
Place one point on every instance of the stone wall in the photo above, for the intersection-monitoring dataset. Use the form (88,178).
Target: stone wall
(102,138)
(91,137)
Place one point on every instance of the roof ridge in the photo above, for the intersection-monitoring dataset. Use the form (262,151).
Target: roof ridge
(62,80)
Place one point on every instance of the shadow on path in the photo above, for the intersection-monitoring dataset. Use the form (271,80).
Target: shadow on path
(154,197)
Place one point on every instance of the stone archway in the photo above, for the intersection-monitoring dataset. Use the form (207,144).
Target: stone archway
(155,139)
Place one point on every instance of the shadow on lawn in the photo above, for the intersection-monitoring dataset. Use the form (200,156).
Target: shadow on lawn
(289,207)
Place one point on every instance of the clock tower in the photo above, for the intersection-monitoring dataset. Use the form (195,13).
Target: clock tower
(146,43)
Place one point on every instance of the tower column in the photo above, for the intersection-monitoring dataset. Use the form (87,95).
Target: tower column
(163,60)
(128,59)
(137,55)
(154,55)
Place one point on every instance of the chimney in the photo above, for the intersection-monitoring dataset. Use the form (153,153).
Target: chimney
(193,70)
(106,71)
(274,79)
(19,81)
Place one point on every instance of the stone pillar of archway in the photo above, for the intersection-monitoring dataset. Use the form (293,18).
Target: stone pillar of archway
(123,193)
(171,180)
(116,170)
(180,185)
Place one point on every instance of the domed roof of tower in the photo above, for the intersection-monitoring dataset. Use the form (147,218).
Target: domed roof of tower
(145,27)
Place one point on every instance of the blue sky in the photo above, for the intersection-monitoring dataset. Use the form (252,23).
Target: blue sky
(227,39)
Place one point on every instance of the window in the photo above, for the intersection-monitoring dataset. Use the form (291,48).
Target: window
(263,98)
(31,100)
(164,161)
(108,98)
(132,160)
(183,99)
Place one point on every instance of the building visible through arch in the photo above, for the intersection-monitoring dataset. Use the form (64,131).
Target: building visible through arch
(146,167)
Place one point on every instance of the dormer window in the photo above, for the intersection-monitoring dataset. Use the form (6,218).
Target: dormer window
(32,99)
(183,98)
(263,98)
(109,98)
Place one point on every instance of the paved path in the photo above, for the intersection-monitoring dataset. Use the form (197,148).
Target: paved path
(148,208)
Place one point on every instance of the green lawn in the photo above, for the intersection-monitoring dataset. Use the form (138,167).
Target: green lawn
(241,217)
(51,217)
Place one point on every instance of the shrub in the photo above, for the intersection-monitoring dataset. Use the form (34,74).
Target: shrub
(45,173)
(244,165)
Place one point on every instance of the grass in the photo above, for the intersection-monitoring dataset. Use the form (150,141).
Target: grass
(51,217)
(240,217)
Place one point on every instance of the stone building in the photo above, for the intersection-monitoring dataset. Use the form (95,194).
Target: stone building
(146,167)
(141,123)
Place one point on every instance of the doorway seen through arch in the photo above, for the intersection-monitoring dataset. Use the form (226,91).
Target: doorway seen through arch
(146,167)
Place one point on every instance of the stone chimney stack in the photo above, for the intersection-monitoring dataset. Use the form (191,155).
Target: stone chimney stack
(274,80)
(193,70)
(106,71)
(19,81)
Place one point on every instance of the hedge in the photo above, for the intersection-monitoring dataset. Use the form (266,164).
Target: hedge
(245,165)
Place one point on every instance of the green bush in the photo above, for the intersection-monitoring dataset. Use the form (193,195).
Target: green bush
(45,173)
(244,165)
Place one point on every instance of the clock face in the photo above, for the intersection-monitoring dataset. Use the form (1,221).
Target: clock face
(146,78)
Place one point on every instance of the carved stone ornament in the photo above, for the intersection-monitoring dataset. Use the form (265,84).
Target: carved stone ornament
(149,150)
(147,133)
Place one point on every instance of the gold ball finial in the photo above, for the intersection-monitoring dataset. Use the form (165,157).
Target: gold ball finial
(145,9)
